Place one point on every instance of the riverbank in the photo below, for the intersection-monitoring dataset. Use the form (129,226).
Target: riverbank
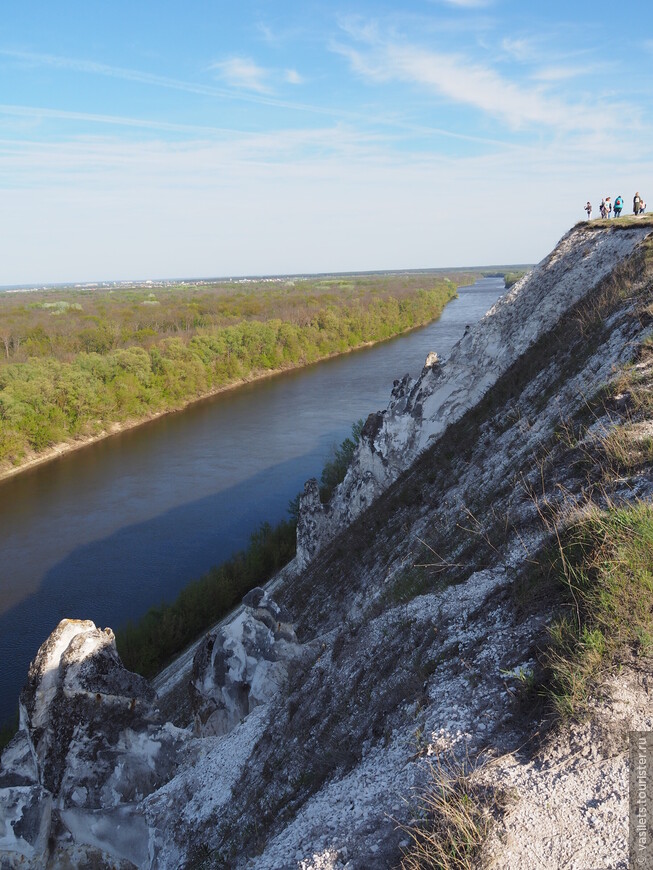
(65,447)
(56,451)
(112,530)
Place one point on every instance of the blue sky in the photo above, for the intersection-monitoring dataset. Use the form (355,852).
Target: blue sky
(160,139)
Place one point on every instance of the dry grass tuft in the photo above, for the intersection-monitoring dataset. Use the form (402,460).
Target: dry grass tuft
(453,818)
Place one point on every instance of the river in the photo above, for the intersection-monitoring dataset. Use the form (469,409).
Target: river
(105,532)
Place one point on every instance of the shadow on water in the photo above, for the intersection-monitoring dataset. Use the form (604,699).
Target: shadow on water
(146,562)
(106,532)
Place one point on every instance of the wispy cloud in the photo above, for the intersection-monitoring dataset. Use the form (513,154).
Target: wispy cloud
(242,72)
(42,113)
(293,77)
(468,4)
(462,80)
(132,75)
(562,73)
(267,33)
(521,48)
(115,72)
(141,194)
(391,121)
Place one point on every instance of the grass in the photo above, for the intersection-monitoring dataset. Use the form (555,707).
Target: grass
(605,563)
(624,222)
(627,450)
(454,815)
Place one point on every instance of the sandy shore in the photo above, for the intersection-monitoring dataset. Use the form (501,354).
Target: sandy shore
(60,449)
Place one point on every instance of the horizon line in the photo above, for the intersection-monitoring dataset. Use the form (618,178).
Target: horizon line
(127,282)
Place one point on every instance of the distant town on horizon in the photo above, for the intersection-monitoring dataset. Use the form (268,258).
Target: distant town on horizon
(248,279)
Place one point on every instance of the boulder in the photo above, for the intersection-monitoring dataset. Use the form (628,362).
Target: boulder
(90,747)
(432,359)
(242,664)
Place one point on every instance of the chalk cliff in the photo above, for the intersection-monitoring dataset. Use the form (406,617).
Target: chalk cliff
(400,638)
(420,410)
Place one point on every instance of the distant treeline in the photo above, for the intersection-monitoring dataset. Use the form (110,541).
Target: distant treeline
(511,278)
(71,366)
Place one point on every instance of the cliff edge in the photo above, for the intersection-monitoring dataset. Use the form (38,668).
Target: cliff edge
(410,650)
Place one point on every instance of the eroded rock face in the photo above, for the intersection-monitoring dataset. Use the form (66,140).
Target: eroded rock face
(242,665)
(90,746)
(312,523)
(78,688)
(419,411)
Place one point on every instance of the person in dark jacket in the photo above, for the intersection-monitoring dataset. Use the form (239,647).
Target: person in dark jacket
(637,203)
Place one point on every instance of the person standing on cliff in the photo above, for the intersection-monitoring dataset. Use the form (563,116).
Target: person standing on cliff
(637,204)
(618,205)
(603,209)
(588,209)
(608,206)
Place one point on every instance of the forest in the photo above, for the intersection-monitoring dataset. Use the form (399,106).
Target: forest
(73,361)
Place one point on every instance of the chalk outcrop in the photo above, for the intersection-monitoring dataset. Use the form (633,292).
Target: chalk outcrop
(419,411)
(242,665)
(89,749)
(417,617)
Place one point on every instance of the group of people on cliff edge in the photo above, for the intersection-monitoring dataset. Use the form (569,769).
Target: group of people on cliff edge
(607,209)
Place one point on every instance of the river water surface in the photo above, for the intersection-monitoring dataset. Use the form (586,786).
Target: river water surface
(105,532)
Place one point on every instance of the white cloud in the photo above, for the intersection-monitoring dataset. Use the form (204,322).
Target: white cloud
(241,72)
(245,203)
(561,73)
(461,80)
(267,33)
(39,113)
(520,49)
(293,77)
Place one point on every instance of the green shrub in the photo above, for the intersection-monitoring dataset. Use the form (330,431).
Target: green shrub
(336,467)
(149,644)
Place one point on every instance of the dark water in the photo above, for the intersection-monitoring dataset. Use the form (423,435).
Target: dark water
(105,532)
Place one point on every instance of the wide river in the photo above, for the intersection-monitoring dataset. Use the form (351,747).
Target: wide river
(105,532)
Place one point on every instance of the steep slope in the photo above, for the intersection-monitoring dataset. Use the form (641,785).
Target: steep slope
(419,411)
(418,603)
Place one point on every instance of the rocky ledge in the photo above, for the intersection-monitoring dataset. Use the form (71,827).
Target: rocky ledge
(90,748)
(401,643)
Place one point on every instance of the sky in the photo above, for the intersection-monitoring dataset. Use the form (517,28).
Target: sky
(161,139)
